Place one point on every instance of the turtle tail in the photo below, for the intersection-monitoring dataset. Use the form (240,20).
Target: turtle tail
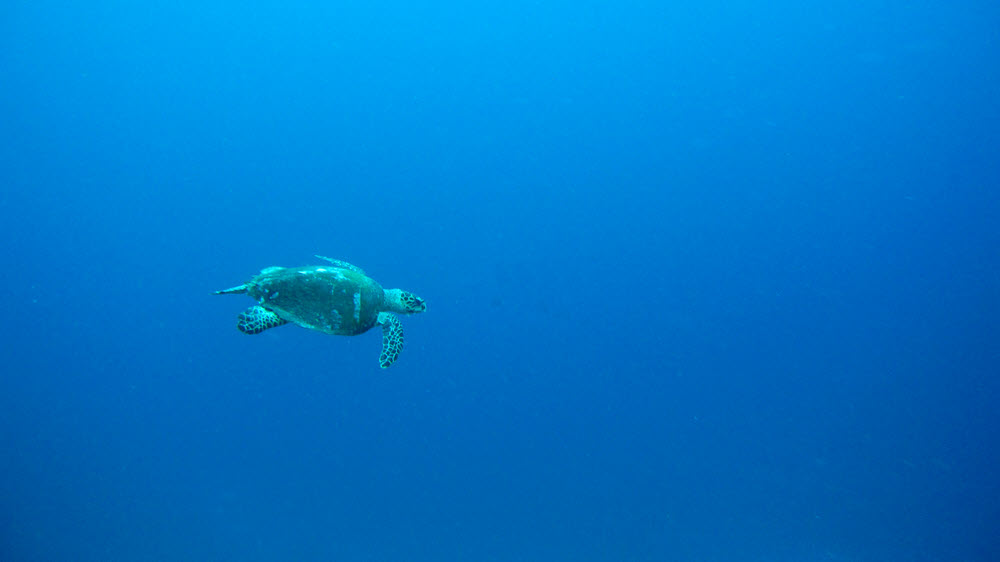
(232,290)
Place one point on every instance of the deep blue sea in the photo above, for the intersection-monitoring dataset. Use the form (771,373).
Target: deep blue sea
(705,281)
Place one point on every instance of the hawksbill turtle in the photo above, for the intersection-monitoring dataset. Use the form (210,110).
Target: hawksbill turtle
(339,300)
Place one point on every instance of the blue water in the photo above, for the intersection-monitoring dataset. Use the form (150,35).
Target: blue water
(706,281)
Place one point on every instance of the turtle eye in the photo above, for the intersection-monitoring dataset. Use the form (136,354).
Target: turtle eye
(414,303)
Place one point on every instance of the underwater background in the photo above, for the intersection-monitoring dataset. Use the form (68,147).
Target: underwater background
(706,281)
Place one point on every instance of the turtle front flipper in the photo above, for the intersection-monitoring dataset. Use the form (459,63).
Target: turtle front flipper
(392,338)
(342,264)
(256,319)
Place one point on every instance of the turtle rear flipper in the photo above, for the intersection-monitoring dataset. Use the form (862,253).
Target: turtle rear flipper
(392,339)
(256,319)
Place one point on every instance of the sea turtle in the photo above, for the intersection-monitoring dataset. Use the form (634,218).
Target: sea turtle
(339,300)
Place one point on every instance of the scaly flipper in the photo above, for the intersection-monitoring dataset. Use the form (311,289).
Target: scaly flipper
(342,263)
(256,319)
(392,338)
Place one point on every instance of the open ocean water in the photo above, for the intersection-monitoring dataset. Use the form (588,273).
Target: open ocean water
(705,281)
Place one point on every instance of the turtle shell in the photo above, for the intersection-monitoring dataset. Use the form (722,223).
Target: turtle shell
(333,300)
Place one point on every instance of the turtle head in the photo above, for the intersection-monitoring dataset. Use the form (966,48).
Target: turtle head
(403,302)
